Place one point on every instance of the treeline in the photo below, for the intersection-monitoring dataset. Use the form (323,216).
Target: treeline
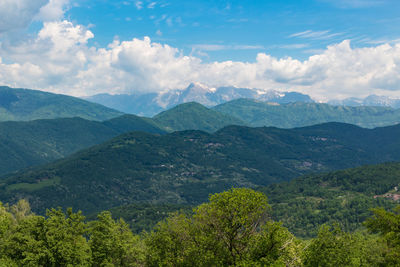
(233,229)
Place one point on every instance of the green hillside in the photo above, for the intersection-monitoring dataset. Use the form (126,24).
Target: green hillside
(25,105)
(256,113)
(194,116)
(345,196)
(24,144)
(184,167)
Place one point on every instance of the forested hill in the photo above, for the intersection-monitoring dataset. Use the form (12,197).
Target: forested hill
(194,116)
(256,113)
(344,196)
(185,167)
(24,144)
(25,105)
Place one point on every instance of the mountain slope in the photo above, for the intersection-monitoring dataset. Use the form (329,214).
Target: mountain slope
(24,144)
(345,196)
(24,105)
(299,114)
(194,116)
(184,167)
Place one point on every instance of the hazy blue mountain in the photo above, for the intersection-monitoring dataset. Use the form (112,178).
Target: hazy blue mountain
(139,104)
(151,103)
(185,167)
(371,100)
(25,104)
(299,114)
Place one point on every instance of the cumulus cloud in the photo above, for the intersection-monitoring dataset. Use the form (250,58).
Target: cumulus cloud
(53,10)
(15,14)
(60,60)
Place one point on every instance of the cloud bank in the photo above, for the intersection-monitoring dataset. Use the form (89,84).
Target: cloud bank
(59,59)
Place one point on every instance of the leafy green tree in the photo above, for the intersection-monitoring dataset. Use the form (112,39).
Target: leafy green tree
(229,230)
(55,241)
(387,224)
(65,239)
(6,220)
(229,222)
(172,243)
(113,244)
(332,247)
(275,246)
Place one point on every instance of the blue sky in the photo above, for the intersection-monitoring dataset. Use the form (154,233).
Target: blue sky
(238,30)
(330,49)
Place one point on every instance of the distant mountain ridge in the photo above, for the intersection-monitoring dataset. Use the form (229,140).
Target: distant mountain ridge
(152,103)
(24,105)
(257,113)
(371,100)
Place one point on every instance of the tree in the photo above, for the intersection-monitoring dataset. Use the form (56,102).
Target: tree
(113,244)
(333,247)
(387,224)
(229,230)
(64,234)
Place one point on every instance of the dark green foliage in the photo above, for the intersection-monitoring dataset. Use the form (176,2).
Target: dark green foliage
(194,116)
(185,167)
(24,105)
(299,114)
(24,144)
(305,203)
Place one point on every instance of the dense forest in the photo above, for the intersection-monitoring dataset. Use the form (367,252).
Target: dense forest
(234,228)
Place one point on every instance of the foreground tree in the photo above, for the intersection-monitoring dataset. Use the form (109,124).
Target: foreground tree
(387,224)
(229,230)
(113,244)
(31,240)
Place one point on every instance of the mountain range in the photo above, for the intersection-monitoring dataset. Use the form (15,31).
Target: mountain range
(149,104)
(185,167)
(371,100)
(29,143)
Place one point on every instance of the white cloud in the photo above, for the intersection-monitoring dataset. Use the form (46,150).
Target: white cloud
(18,14)
(152,5)
(218,47)
(315,35)
(54,10)
(139,5)
(60,60)
(15,14)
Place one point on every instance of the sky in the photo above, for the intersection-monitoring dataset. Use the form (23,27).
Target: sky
(329,49)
